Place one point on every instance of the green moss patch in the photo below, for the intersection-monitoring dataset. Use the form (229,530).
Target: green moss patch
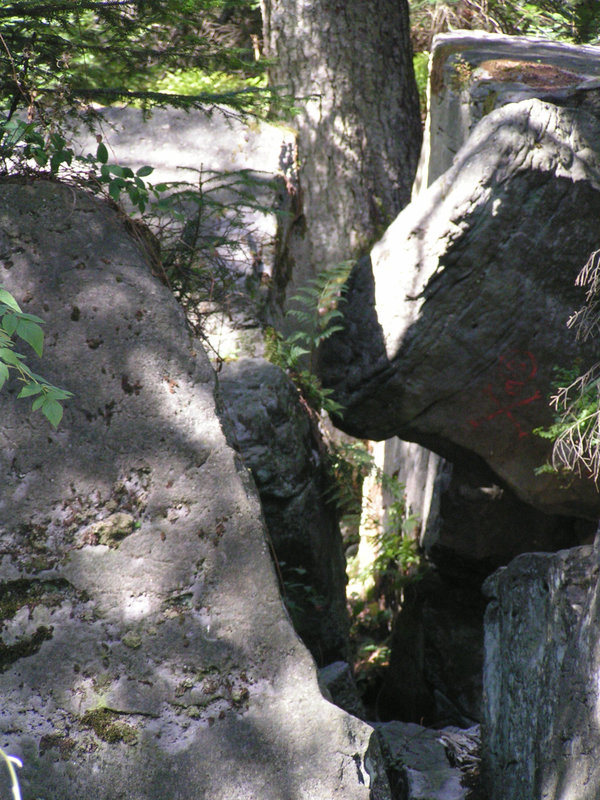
(108,726)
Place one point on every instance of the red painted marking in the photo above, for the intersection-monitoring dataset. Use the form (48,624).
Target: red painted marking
(515,370)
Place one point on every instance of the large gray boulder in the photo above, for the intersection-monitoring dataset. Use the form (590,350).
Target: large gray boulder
(281,444)
(473,72)
(455,322)
(145,651)
(540,733)
(426,764)
(470,520)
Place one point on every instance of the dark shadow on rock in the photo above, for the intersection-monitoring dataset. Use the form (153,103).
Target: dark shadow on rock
(280,443)
(434,677)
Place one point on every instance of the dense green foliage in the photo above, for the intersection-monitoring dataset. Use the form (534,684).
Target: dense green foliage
(62,53)
(316,314)
(566,20)
(58,55)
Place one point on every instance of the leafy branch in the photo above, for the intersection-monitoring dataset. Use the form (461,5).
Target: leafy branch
(15,323)
(576,428)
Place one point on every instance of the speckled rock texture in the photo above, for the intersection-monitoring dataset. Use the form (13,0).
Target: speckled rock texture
(159,662)
(455,322)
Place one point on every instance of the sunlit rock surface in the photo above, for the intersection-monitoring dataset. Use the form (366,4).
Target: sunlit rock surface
(160,663)
(428,764)
(474,72)
(456,321)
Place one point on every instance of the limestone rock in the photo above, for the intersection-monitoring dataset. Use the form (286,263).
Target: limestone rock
(281,445)
(473,73)
(456,321)
(540,678)
(470,520)
(166,666)
(337,681)
(426,764)
(229,156)
(482,525)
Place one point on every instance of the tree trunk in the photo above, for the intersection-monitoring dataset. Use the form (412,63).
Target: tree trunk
(349,64)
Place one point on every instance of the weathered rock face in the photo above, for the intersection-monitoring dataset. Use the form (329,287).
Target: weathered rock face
(337,682)
(540,734)
(145,652)
(281,446)
(455,322)
(225,155)
(473,72)
(429,764)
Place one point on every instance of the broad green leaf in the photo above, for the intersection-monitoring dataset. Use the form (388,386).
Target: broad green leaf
(134,194)
(10,357)
(8,300)
(31,318)
(31,333)
(58,394)
(29,390)
(53,411)
(143,172)
(114,190)
(38,402)
(55,163)
(120,172)
(102,153)
(40,158)
(36,138)
(57,141)
(3,374)
(10,322)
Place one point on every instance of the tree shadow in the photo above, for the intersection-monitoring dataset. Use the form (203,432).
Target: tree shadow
(161,663)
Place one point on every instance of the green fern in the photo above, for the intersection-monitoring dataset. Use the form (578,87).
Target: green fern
(315,309)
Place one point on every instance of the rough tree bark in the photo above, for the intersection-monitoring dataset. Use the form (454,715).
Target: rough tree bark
(349,64)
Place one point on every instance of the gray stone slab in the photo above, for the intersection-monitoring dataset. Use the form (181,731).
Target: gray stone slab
(473,72)
(161,663)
